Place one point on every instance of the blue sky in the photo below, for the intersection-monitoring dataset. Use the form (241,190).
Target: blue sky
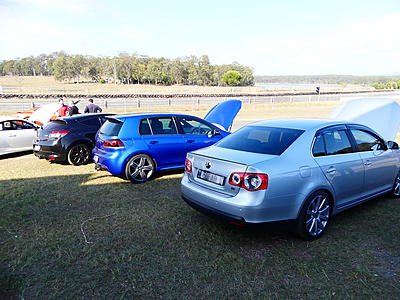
(274,37)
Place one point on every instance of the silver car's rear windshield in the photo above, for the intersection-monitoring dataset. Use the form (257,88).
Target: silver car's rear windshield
(258,139)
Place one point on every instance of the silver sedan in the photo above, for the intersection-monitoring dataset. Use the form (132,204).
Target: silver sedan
(295,169)
(15,135)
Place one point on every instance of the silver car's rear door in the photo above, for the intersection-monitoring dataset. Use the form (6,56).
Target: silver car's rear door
(342,166)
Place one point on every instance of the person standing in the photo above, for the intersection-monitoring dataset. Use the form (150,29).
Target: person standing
(92,108)
(63,110)
(73,109)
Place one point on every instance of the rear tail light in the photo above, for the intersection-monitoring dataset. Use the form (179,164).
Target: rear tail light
(58,134)
(188,166)
(249,181)
(114,143)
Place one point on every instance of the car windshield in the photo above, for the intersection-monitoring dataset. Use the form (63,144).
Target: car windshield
(257,139)
(111,127)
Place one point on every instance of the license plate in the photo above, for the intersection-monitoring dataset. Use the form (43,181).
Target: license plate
(36,147)
(95,158)
(211,177)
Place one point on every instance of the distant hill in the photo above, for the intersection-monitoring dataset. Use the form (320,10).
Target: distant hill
(326,79)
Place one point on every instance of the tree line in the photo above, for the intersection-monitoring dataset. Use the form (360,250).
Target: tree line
(129,69)
(327,79)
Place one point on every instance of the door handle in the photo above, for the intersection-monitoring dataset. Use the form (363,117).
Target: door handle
(153,142)
(367,163)
(12,135)
(331,170)
(190,141)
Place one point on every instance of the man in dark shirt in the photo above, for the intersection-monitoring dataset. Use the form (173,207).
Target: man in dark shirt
(73,109)
(92,108)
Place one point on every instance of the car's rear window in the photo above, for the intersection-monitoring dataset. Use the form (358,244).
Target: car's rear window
(111,127)
(257,139)
(55,124)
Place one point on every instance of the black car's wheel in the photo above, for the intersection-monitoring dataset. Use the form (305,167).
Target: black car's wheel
(139,168)
(79,155)
(396,187)
(314,217)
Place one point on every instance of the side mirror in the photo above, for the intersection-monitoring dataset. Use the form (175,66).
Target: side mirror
(392,145)
(213,133)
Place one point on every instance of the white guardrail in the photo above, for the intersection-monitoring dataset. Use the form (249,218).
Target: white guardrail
(126,103)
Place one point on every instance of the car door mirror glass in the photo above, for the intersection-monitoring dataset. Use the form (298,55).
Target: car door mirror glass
(392,145)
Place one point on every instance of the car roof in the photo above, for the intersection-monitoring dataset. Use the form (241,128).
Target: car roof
(302,124)
(145,115)
(10,118)
(84,116)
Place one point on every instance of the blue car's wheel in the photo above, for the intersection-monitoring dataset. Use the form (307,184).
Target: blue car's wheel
(139,168)
(314,216)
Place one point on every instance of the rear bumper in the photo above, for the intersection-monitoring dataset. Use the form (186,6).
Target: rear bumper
(245,207)
(113,162)
(54,152)
(212,212)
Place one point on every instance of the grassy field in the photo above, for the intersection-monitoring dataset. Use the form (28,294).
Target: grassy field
(48,85)
(72,232)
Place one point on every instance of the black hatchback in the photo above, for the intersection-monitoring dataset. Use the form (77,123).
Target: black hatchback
(69,139)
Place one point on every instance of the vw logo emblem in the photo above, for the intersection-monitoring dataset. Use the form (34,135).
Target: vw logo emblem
(207,164)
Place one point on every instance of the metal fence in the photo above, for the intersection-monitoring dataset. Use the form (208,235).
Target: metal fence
(123,104)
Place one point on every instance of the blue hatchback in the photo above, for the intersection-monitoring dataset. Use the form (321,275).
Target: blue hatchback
(138,145)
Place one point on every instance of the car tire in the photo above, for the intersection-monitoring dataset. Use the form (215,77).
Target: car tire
(79,155)
(396,187)
(139,168)
(314,216)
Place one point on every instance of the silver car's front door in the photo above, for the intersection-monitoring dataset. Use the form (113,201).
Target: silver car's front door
(16,135)
(380,164)
(342,167)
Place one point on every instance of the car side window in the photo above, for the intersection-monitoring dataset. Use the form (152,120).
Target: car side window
(8,125)
(191,125)
(144,127)
(319,146)
(337,142)
(25,125)
(163,125)
(91,122)
(366,141)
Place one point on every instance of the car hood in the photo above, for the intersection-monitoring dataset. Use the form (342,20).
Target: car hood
(224,113)
(379,114)
(44,113)
(241,157)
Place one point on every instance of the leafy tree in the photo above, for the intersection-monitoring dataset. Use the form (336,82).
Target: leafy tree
(232,78)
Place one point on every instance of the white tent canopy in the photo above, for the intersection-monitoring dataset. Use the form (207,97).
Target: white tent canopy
(380,114)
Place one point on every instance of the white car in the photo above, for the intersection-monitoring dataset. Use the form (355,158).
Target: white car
(15,135)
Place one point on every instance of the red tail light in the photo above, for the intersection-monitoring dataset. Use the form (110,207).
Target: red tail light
(114,143)
(249,181)
(188,166)
(58,134)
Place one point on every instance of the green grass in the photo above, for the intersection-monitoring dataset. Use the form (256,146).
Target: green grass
(146,243)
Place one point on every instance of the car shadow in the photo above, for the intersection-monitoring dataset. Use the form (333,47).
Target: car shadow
(16,154)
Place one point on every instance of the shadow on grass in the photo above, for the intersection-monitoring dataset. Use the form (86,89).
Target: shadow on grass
(14,155)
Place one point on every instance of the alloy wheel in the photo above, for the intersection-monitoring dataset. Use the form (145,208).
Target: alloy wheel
(79,155)
(140,168)
(396,188)
(317,216)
